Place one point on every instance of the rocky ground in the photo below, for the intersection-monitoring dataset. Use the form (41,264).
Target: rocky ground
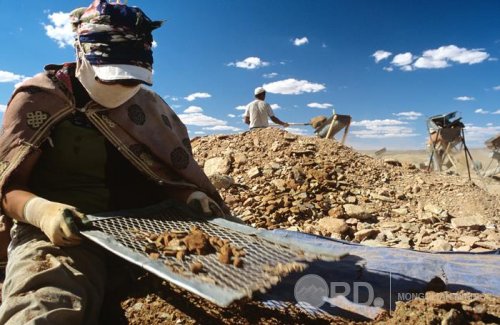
(157,302)
(273,179)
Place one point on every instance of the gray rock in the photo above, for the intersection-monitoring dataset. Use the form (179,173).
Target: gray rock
(355,211)
(217,165)
(365,234)
(221,181)
(440,245)
(253,172)
(333,225)
(474,222)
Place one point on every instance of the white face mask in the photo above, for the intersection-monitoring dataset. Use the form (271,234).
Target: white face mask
(109,96)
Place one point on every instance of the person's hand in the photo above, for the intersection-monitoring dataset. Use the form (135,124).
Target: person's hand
(200,200)
(55,219)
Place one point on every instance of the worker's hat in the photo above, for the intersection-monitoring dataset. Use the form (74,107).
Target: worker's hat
(259,90)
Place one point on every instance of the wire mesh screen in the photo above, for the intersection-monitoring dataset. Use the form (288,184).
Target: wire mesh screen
(263,263)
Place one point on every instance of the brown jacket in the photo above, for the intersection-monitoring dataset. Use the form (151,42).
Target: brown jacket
(144,129)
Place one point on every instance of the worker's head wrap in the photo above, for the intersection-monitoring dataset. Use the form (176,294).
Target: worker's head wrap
(116,40)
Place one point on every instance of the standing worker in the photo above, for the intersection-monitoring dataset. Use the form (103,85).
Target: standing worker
(81,138)
(258,111)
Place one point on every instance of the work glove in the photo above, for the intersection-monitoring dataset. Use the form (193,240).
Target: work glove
(55,219)
(200,201)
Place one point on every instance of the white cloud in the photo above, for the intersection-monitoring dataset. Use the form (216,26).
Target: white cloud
(60,30)
(497,112)
(388,69)
(200,132)
(377,123)
(411,115)
(382,129)
(270,75)
(192,97)
(3,108)
(200,119)
(222,128)
(154,44)
(481,111)
(456,54)
(442,57)
(428,63)
(323,45)
(318,105)
(193,109)
(479,134)
(275,106)
(381,55)
(298,131)
(6,76)
(402,59)
(231,115)
(241,107)
(300,41)
(293,87)
(496,88)
(172,98)
(464,98)
(250,63)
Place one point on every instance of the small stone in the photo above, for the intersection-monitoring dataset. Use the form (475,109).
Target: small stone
(253,172)
(400,211)
(365,234)
(469,240)
(221,181)
(487,245)
(333,225)
(217,165)
(433,209)
(355,211)
(465,248)
(392,162)
(440,245)
(373,243)
(336,212)
(474,222)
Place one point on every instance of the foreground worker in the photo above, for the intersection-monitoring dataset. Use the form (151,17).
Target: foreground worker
(81,138)
(258,111)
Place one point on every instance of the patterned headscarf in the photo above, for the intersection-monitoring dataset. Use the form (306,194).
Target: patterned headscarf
(115,34)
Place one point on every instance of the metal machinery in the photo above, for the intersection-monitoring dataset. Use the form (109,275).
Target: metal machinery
(493,144)
(446,139)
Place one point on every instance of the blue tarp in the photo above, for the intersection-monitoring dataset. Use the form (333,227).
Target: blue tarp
(391,274)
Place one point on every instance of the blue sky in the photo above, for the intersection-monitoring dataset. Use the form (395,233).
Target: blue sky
(389,64)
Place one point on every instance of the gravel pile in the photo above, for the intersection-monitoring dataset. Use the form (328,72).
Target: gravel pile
(274,179)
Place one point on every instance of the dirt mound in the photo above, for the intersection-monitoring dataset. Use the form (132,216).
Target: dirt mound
(446,308)
(162,303)
(273,179)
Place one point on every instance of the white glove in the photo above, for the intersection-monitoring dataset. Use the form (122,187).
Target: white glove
(52,218)
(208,206)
